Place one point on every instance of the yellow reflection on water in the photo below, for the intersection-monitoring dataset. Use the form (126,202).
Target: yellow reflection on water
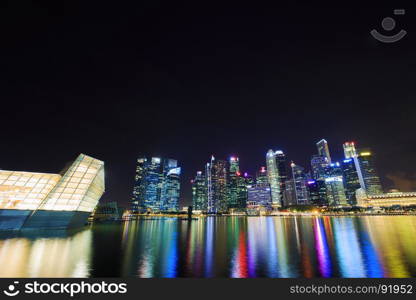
(394,238)
(46,257)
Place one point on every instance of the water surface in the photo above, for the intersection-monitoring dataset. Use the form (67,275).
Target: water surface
(240,247)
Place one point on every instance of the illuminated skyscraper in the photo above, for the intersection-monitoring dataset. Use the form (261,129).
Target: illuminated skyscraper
(317,192)
(261,176)
(351,179)
(299,179)
(369,173)
(334,183)
(233,182)
(276,180)
(171,186)
(157,185)
(41,200)
(199,192)
(323,149)
(319,164)
(216,182)
(349,150)
(289,195)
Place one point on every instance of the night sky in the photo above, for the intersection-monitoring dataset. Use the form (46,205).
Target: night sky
(117,81)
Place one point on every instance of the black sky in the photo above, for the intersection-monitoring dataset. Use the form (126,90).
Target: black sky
(115,81)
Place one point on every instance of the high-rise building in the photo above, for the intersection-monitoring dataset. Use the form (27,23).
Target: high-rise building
(372,184)
(349,150)
(216,183)
(335,191)
(317,192)
(170,193)
(299,178)
(323,149)
(261,176)
(199,193)
(319,164)
(259,198)
(42,200)
(351,179)
(157,185)
(233,183)
(289,195)
(276,173)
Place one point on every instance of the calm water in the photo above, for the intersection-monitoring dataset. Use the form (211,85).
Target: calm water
(376,246)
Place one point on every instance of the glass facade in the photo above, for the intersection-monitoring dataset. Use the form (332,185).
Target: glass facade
(157,185)
(199,192)
(79,189)
(273,175)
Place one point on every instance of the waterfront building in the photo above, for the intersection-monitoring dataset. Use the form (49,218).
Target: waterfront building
(372,184)
(276,173)
(216,184)
(335,191)
(233,183)
(157,185)
(259,199)
(323,149)
(199,192)
(385,200)
(41,200)
(299,178)
(109,211)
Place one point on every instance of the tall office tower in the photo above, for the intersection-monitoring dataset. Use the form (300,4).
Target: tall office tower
(233,181)
(261,176)
(211,203)
(335,191)
(351,179)
(319,164)
(199,193)
(289,194)
(334,183)
(274,177)
(219,185)
(371,180)
(349,150)
(317,192)
(323,149)
(299,179)
(281,166)
(157,185)
(171,185)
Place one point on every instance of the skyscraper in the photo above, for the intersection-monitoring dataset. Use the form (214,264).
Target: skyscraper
(233,182)
(323,149)
(371,180)
(274,161)
(170,185)
(335,191)
(317,192)
(351,179)
(157,185)
(299,180)
(261,176)
(319,164)
(199,193)
(216,182)
(349,150)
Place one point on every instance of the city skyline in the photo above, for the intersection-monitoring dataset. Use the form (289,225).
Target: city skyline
(187,83)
